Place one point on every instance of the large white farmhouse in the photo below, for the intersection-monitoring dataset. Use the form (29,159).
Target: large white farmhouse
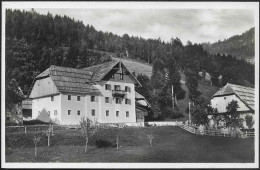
(243,95)
(104,92)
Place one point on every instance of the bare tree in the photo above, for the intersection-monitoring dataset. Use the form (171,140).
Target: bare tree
(150,137)
(49,132)
(87,131)
(35,141)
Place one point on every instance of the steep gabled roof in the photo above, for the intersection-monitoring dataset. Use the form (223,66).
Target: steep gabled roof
(246,94)
(100,70)
(79,80)
(69,79)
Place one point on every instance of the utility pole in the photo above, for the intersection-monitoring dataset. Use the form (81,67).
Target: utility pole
(172,98)
(189,114)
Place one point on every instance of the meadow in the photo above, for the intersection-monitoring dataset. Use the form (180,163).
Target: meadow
(170,144)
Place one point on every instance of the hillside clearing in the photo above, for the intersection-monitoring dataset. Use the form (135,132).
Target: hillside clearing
(171,144)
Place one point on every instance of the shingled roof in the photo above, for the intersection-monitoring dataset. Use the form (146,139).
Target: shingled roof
(69,79)
(79,80)
(100,70)
(246,94)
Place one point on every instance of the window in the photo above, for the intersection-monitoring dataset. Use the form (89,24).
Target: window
(106,99)
(69,112)
(117,113)
(127,114)
(69,97)
(52,98)
(78,112)
(49,113)
(118,101)
(55,112)
(127,101)
(93,112)
(107,112)
(78,98)
(127,89)
(121,76)
(107,86)
(93,98)
(117,87)
(224,97)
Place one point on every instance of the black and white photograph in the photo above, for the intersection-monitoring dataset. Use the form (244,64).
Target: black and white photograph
(130,84)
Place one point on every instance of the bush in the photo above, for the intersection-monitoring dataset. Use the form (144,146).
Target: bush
(176,114)
(101,143)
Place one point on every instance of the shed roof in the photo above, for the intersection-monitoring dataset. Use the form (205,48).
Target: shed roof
(246,94)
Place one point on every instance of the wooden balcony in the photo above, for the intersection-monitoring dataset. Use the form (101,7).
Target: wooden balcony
(118,93)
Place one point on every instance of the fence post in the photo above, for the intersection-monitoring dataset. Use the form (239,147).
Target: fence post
(25,129)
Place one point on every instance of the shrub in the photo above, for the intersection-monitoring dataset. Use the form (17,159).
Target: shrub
(176,114)
(101,143)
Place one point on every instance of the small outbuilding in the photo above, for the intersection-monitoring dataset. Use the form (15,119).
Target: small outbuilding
(245,96)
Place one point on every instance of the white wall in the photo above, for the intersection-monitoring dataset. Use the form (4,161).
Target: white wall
(43,87)
(45,103)
(74,106)
(222,102)
(113,107)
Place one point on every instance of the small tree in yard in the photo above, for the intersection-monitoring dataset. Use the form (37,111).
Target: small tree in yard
(249,121)
(87,130)
(232,118)
(49,132)
(150,137)
(35,141)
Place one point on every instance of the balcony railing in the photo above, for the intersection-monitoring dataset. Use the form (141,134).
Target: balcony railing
(118,93)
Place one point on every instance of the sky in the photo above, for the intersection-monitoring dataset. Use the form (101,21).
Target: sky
(195,25)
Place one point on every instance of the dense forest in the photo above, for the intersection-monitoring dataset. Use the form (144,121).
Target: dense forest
(35,41)
(241,46)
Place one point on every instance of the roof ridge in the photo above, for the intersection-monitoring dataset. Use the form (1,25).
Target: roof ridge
(236,85)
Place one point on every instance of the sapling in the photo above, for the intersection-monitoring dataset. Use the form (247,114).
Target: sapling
(49,132)
(150,137)
(87,131)
(35,141)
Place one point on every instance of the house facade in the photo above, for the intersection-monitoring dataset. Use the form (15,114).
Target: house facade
(105,93)
(244,97)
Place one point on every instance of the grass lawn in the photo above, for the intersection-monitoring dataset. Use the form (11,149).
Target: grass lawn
(171,144)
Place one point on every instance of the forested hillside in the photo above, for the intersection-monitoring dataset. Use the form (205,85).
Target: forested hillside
(241,46)
(34,42)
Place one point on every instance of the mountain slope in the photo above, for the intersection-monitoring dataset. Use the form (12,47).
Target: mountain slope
(142,68)
(241,46)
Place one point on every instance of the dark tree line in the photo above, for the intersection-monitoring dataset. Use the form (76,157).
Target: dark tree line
(35,41)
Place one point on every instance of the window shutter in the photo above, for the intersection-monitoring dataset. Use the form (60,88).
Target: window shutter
(109,86)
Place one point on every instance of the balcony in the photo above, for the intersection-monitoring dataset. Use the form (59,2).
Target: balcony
(118,93)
